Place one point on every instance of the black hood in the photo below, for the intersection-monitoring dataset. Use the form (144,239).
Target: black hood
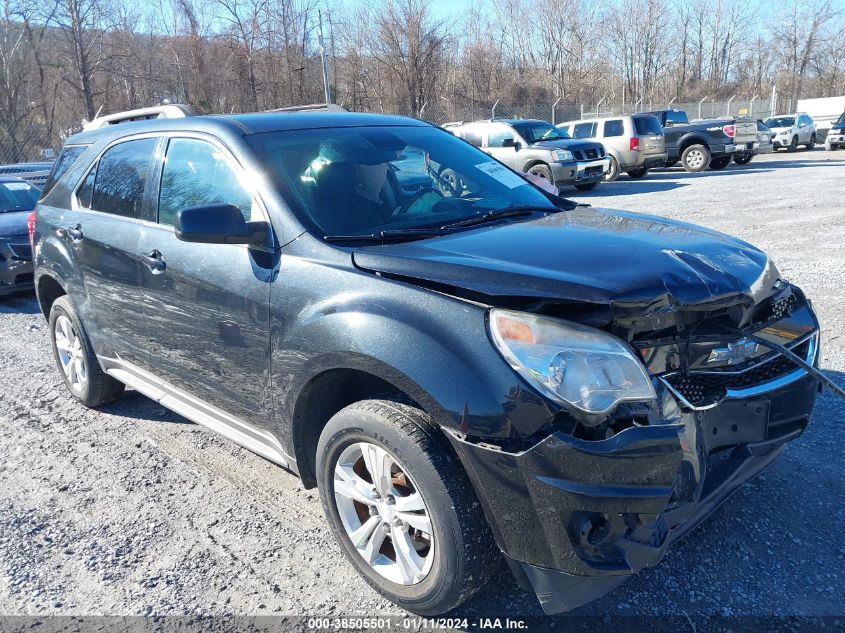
(13,224)
(570,144)
(596,256)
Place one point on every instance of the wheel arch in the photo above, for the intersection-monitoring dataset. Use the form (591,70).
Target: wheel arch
(47,290)
(687,141)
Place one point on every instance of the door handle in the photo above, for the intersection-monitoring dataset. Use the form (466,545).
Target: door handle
(154,261)
(73,232)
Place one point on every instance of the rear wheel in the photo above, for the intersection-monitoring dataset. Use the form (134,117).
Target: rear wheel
(587,186)
(637,173)
(742,159)
(812,142)
(720,162)
(695,158)
(78,364)
(402,507)
(613,172)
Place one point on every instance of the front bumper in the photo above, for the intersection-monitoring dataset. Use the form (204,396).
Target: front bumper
(15,267)
(577,172)
(576,517)
(836,138)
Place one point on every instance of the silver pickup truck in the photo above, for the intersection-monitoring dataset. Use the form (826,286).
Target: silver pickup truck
(537,147)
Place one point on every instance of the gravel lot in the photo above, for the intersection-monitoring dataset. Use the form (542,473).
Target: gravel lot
(133,510)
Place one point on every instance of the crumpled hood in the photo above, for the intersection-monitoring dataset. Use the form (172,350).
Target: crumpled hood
(13,223)
(588,255)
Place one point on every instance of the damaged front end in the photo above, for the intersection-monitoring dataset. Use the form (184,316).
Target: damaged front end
(586,502)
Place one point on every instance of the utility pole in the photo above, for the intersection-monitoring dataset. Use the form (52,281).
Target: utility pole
(324,60)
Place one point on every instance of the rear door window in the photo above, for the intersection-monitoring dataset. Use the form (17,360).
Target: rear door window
(123,174)
(615,127)
(197,172)
(645,125)
(677,117)
(584,130)
(66,158)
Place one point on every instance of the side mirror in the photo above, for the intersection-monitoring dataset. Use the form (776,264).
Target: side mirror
(220,223)
(509,142)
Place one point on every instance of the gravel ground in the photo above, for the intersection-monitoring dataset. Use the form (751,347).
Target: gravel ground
(132,510)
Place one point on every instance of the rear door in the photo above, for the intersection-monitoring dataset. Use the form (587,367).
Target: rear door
(109,207)
(207,305)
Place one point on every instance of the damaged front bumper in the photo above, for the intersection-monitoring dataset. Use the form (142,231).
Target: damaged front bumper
(575,516)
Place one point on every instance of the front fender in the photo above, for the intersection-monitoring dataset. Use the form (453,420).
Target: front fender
(433,347)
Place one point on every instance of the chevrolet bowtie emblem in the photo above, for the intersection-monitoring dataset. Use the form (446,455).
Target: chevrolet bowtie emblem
(734,353)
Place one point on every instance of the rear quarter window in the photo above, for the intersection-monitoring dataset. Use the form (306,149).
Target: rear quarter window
(66,158)
(616,127)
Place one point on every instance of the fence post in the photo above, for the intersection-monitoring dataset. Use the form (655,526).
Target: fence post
(493,111)
(751,106)
(669,105)
(582,110)
(599,104)
(703,99)
(554,105)
(728,108)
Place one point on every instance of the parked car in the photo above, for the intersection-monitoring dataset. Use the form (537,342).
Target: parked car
(537,147)
(706,142)
(792,130)
(836,135)
(17,200)
(34,173)
(494,371)
(634,144)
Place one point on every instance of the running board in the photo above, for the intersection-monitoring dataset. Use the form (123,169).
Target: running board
(256,440)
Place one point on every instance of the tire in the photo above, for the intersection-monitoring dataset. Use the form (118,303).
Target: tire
(720,162)
(463,552)
(542,170)
(637,173)
(613,173)
(78,365)
(742,159)
(587,186)
(793,145)
(831,147)
(695,158)
(812,144)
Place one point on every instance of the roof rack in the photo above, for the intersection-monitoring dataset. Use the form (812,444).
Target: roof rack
(314,107)
(169,111)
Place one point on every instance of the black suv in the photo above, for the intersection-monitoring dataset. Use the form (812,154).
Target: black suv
(460,371)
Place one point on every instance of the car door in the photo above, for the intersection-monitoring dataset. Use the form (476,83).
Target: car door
(207,305)
(109,207)
(497,135)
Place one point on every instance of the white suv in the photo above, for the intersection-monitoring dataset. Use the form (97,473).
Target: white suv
(792,130)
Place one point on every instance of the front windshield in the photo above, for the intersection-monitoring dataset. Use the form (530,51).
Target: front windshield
(781,121)
(360,181)
(841,120)
(536,132)
(17,196)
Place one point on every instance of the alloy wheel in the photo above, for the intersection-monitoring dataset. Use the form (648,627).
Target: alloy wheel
(71,355)
(384,513)
(695,159)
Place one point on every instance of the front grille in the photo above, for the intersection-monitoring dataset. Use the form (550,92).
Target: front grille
(703,389)
(782,307)
(21,251)
(592,154)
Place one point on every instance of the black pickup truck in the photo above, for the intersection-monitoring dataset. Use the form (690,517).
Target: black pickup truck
(705,142)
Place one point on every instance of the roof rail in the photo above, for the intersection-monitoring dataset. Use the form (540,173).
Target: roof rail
(170,111)
(313,107)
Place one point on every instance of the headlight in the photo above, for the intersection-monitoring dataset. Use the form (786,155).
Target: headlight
(561,154)
(576,365)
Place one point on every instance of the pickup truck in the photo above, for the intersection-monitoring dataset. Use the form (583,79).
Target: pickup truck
(705,142)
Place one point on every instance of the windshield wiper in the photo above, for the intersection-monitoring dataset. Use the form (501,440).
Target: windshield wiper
(392,235)
(497,214)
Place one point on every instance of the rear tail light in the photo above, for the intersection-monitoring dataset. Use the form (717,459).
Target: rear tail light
(30,225)
(635,144)
(729,130)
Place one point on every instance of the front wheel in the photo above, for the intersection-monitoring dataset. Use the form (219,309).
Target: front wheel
(542,170)
(793,145)
(637,173)
(402,507)
(612,173)
(742,159)
(695,158)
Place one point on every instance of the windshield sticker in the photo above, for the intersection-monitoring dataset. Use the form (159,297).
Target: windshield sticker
(16,186)
(502,174)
